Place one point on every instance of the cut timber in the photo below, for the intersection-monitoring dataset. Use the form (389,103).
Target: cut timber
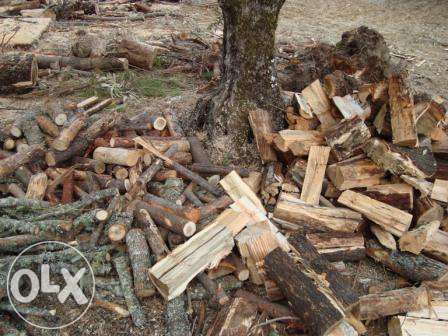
(349,107)
(298,142)
(347,137)
(405,326)
(315,173)
(37,186)
(10,164)
(391,219)
(416,240)
(400,195)
(440,191)
(169,220)
(375,306)
(158,122)
(153,235)
(437,246)
(261,123)
(47,125)
(234,320)
(416,162)
(385,238)
(315,218)
(323,269)
(14,68)
(427,210)
(119,156)
(419,184)
(437,310)
(234,185)
(67,135)
(409,266)
(340,84)
(24,31)
(355,173)
(306,292)
(231,264)
(273,310)
(402,112)
(336,246)
(254,244)
(85,64)
(138,54)
(204,250)
(318,104)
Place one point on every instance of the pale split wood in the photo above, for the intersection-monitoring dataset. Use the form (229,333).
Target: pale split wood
(315,173)
(37,186)
(261,124)
(389,218)
(440,190)
(298,142)
(405,326)
(384,237)
(318,103)
(416,240)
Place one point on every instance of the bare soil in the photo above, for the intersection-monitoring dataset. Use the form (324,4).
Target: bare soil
(416,31)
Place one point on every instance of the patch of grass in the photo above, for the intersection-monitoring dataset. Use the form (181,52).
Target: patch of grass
(156,87)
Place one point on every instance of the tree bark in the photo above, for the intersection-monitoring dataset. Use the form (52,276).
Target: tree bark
(248,77)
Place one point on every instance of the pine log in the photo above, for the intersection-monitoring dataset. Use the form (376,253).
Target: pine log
(404,326)
(172,274)
(399,195)
(192,214)
(347,137)
(415,162)
(83,163)
(261,124)
(85,64)
(315,218)
(140,260)
(67,135)
(415,268)
(402,112)
(119,156)
(176,318)
(336,246)
(391,219)
(10,164)
(138,54)
(305,291)
(355,173)
(234,320)
(314,176)
(210,169)
(153,236)
(16,68)
(298,142)
(375,306)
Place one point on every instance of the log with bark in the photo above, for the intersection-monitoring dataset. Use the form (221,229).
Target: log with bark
(16,68)
(84,64)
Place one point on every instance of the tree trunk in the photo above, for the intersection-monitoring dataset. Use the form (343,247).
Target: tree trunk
(248,78)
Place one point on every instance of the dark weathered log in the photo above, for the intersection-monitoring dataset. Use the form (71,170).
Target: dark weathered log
(198,152)
(416,162)
(209,169)
(338,246)
(85,64)
(15,68)
(187,212)
(140,260)
(134,307)
(415,268)
(304,293)
(10,164)
(399,195)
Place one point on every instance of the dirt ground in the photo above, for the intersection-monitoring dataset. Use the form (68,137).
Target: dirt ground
(416,31)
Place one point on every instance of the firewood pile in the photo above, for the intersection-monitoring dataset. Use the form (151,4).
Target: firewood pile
(359,172)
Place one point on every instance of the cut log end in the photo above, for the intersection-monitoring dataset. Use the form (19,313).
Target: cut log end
(189,229)
(117,232)
(101,215)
